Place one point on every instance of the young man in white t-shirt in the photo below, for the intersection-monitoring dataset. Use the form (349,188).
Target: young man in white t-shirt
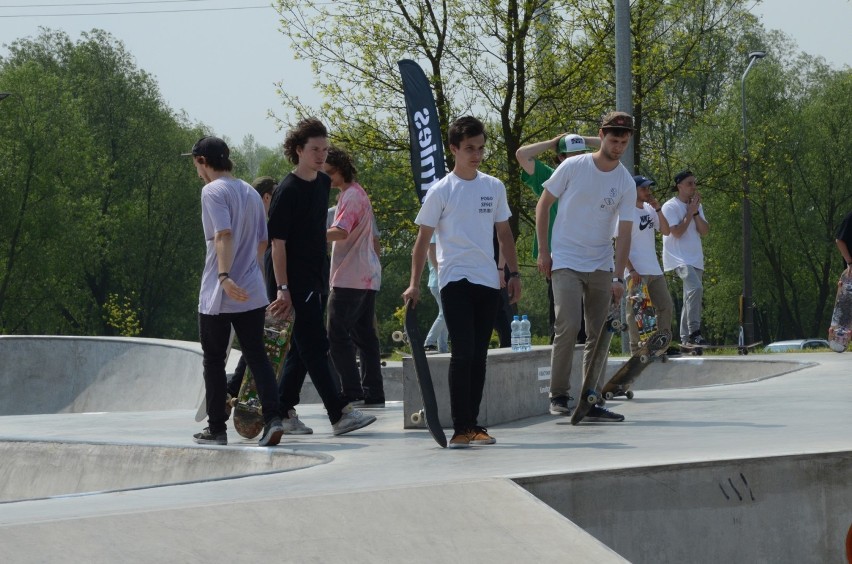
(463,209)
(643,263)
(683,252)
(232,289)
(593,190)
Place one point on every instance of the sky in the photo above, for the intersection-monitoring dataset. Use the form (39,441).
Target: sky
(220,65)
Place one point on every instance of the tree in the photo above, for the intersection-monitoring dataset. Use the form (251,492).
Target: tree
(96,194)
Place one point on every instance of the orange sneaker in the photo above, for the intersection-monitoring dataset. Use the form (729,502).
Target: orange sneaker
(480,436)
(460,440)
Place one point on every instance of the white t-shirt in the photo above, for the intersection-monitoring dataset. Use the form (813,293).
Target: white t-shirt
(463,213)
(231,203)
(686,249)
(643,248)
(590,203)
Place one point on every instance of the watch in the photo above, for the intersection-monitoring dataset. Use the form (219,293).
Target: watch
(616,279)
(283,288)
(514,275)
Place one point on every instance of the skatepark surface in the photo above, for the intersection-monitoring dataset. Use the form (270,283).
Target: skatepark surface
(704,473)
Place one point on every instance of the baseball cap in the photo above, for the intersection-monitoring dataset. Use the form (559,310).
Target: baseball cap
(642,181)
(681,176)
(617,120)
(572,143)
(211,148)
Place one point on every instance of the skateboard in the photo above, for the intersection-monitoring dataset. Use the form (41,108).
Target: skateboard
(654,347)
(841,319)
(201,414)
(424,378)
(248,413)
(589,396)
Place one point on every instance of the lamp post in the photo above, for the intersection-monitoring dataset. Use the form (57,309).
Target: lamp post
(747,319)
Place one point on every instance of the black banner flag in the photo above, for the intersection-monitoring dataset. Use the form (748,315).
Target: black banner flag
(424,130)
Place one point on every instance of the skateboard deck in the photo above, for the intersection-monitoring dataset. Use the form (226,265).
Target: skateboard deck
(424,377)
(201,414)
(590,396)
(654,347)
(841,319)
(248,412)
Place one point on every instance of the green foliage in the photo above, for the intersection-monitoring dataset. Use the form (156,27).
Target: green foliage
(121,315)
(96,199)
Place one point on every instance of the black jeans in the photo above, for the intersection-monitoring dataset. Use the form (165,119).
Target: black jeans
(309,353)
(469,310)
(351,314)
(215,333)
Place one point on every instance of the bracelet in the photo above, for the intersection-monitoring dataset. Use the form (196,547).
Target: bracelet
(619,280)
(514,275)
(658,210)
(696,213)
(224,275)
(632,271)
(282,287)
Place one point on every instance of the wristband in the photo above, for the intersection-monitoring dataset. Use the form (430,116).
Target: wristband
(514,275)
(619,280)
(283,288)
(224,275)
(658,210)
(696,213)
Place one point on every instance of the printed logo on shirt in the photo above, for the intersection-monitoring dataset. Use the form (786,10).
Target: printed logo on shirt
(486,204)
(645,222)
(607,204)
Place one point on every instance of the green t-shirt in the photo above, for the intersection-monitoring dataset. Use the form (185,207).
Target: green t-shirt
(535,180)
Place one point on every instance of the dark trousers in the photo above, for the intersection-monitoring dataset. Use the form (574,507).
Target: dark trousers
(351,315)
(469,310)
(309,353)
(215,333)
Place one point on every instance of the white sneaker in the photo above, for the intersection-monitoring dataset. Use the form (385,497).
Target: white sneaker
(294,426)
(352,420)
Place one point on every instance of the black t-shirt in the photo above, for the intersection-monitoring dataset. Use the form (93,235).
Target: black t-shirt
(297,215)
(844,233)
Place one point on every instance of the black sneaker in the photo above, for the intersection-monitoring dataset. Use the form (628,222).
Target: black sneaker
(600,414)
(559,405)
(430,348)
(205,437)
(697,339)
(272,432)
(371,403)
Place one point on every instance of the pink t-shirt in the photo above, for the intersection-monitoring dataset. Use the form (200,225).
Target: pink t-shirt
(354,262)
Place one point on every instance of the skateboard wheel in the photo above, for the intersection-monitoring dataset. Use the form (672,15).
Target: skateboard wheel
(592,398)
(644,359)
(397,336)
(417,417)
(608,395)
(629,394)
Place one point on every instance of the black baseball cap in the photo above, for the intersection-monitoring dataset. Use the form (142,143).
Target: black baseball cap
(642,181)
(211,148)
(681,176)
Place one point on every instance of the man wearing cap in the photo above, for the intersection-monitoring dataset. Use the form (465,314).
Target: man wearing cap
(593,191)
(683,253)
(642,263)
(534,173)
(232,289)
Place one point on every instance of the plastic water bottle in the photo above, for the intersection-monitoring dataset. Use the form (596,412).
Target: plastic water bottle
(525,334)
(516,334)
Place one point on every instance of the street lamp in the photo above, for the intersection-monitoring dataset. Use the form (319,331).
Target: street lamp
(747,307)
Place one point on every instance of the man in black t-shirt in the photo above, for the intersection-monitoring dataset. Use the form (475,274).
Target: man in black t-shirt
(844,243)
(297,219)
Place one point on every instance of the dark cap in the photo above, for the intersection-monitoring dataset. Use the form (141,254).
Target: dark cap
(617,120)
(211,148)
(681,176)
(642,181)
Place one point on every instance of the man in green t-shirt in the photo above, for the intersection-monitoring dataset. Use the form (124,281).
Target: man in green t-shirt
(534,173)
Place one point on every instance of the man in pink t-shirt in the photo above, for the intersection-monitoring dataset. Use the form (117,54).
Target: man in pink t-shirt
(356,275)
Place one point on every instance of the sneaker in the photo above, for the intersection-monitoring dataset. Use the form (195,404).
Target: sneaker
(430,348)
(460,440)
(697,339)
(480,436)
(600,414)
(559,405)
(293,425)
(352,420)
(272,432)
(205,437)
(370,403)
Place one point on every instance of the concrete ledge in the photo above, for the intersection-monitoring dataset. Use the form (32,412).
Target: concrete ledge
(779,509)
(517,384)
(38,469)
